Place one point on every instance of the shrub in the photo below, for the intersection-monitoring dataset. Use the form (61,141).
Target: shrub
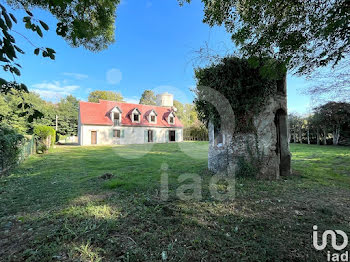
(41,148)
(10,147)
(43,132)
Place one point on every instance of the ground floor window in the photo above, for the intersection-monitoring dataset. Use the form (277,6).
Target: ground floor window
(116,133)
(150,135)
(172,136)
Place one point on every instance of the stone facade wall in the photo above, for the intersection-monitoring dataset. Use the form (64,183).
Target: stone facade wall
(259,148)
(132,135)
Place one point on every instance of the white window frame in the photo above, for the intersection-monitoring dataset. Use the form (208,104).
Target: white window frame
(152,113)
(116,110)
(136,112)
(173,116)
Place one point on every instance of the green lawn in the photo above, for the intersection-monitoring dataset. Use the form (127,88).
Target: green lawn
(56,207)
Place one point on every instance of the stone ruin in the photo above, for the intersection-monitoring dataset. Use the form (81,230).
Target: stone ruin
(267,148)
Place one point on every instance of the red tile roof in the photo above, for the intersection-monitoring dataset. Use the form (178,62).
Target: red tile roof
(99,114)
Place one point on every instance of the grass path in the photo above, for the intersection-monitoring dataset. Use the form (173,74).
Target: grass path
(56,207)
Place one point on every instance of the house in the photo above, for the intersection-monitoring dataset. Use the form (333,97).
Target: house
(109,122)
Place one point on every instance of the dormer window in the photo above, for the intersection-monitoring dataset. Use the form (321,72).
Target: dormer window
(116,116)
(136,116)
(152,117)
(171,118)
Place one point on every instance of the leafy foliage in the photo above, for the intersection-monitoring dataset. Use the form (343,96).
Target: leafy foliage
(67,112)
(41,148)
(84,23)
(43,132)
(10,149)
(148,98)
(334,113)
(95,96)
(241,83)
(81,23)
(196,133)
(187,114)
(24,110)
(332,117)
(304,34)
(9,50)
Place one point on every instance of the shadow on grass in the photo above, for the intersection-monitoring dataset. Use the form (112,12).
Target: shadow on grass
(55,207)
(117,227)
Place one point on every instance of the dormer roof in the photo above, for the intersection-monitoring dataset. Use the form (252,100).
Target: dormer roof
(136,110)
(116,108)
(151,111)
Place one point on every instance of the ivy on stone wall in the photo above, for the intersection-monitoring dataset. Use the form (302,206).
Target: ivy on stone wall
(247,84)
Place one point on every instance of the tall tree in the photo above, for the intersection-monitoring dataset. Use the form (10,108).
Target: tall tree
(295,123)
(303,34)
(187,114)
(67,113)
(334,115)
(23,111)
(95,96)
(148,98)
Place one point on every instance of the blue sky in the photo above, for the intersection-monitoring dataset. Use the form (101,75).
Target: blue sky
(156,44)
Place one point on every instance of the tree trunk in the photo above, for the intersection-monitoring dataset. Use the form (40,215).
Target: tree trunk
(308,136)
(324,138)
(318,136)
(289,137)
(300,137)
(336,135)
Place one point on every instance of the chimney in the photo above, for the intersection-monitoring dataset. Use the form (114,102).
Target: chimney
(165,99)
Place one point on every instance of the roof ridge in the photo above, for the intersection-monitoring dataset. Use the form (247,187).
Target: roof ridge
(134,103)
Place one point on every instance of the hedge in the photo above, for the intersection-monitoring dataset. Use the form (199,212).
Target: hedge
(10,147)
(43,132)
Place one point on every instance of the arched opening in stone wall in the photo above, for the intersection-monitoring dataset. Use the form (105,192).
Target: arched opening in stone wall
(282,142)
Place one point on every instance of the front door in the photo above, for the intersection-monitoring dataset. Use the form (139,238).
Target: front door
(172,136)
(150,136)
(93,137)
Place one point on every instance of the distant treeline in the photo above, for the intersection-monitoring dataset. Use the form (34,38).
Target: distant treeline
(328,124)
(23,111)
